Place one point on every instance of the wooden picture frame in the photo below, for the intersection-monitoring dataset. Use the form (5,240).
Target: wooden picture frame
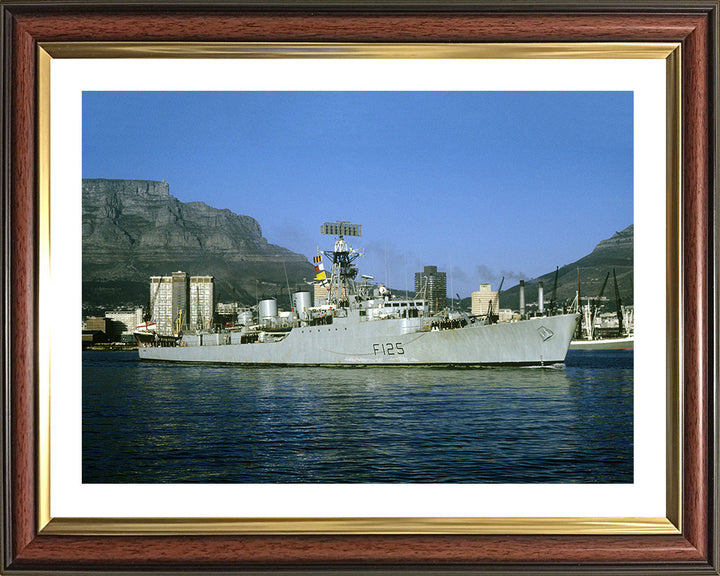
(30,548)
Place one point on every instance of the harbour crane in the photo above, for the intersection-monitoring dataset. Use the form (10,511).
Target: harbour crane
(618,304)
(554,293)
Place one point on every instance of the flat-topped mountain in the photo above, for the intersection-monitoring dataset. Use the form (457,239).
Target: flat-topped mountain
(134,229)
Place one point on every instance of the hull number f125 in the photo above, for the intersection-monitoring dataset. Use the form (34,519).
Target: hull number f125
(388,349)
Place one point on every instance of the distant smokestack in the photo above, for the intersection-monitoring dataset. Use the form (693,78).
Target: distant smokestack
(541,297)
(522,297)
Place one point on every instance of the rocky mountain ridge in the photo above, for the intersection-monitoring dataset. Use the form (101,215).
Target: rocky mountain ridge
(614,253)
(134,229)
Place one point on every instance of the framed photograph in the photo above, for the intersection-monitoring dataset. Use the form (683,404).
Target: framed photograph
(596,114)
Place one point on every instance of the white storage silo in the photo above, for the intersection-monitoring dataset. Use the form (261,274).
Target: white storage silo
(267,309)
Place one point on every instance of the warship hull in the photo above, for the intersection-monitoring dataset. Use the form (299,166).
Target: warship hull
(350,341)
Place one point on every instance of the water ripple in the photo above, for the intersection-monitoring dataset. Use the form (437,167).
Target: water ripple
(167,423)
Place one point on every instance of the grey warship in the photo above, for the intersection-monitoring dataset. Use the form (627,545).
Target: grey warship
(363,324)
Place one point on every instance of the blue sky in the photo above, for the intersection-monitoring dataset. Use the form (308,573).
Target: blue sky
(480,184)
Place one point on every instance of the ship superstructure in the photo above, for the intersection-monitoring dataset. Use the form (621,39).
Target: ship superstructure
(362,323)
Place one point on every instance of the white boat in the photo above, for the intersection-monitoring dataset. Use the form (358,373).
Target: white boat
(625,343)
(594,332)
(145,332)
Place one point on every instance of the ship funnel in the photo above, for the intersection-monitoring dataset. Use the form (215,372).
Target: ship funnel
(302,302)
(541,297)
(522,297)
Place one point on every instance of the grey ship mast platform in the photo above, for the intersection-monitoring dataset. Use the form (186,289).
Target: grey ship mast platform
(342,291)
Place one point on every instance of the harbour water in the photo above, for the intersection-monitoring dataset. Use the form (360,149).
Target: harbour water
(150,423)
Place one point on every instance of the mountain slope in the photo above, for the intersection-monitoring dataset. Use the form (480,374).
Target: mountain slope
(615,253)
(134,229)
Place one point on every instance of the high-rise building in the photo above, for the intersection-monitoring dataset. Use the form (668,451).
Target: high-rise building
(179,302)
(202,302)
(432,286)
(161,303)
(483,298)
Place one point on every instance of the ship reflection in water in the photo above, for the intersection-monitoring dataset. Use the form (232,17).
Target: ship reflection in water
(151,423)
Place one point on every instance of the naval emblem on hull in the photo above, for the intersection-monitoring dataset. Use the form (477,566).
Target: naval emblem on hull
(545,333)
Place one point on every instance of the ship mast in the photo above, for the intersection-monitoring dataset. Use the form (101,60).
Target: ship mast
(341,290)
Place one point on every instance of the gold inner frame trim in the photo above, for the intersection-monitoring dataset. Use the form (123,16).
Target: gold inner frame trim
(436,525)
(43,170)
(288,526)
(610,50)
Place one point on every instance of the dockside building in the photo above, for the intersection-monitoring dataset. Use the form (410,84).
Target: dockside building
(483,299)
(432,285)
